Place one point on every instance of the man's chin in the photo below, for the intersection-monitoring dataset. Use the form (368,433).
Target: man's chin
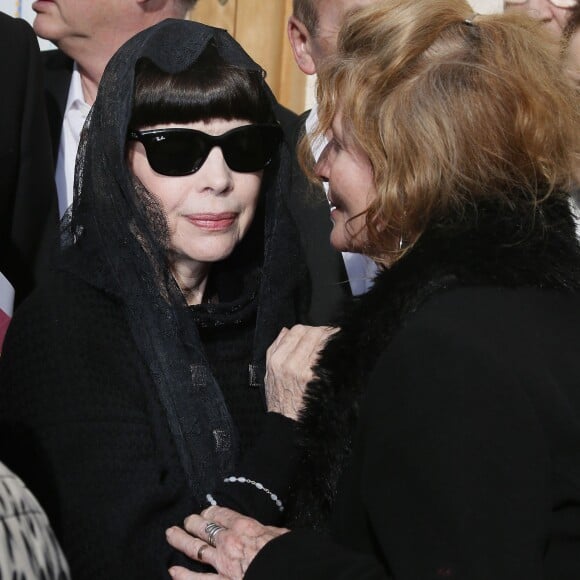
(44,28)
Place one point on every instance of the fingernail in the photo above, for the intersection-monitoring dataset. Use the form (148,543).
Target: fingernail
(171,572)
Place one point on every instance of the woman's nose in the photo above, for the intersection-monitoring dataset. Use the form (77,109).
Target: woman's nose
(215,174)
(321,168)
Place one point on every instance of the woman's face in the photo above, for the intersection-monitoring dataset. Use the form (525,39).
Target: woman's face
(349,174)
(208,212)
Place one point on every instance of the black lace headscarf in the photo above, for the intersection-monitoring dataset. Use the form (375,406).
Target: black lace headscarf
(115,239)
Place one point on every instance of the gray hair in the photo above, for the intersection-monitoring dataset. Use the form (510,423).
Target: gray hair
(306,12)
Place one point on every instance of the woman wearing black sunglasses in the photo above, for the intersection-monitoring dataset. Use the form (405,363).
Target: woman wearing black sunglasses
(132,382)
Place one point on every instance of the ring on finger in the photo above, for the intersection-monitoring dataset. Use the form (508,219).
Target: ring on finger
(200,552)
(212,530)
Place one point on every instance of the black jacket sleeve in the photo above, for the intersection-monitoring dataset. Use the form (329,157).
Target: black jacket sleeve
(271,463)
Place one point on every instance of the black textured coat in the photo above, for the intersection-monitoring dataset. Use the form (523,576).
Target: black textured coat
(443,437)
(82,424)
(120,407)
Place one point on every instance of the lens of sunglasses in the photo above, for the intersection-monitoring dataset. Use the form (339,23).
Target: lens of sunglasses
(181,151)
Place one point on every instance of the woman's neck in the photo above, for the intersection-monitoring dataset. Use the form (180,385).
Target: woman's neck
(191,277)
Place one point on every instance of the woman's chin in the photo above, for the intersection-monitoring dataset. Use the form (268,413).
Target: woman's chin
(342,242)
(208,255)
(338,243)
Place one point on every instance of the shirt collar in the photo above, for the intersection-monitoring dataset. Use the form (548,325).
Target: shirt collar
(76,99)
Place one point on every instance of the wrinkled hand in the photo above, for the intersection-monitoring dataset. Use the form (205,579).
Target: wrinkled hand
(236,545)
(289,363)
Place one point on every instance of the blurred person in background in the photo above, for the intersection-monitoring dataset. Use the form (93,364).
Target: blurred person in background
(572,67)
(312,32)
(561,18)
(554,14)
(26,168)
(572,34)
(28,546)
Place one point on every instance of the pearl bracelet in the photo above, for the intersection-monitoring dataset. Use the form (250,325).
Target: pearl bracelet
(256,484)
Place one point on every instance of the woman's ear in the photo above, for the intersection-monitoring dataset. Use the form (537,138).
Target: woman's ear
(301,43)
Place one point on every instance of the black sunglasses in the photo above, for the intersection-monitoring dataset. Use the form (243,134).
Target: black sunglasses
(180,151)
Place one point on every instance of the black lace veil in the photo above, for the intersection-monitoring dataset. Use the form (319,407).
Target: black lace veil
(113,237)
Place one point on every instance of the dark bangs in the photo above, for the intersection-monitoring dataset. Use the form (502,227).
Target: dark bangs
(209,89)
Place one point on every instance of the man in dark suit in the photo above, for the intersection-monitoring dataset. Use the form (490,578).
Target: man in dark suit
(312,31)
(26,168)
(26,189)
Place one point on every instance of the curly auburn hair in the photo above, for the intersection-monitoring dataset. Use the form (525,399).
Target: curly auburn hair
(450,110)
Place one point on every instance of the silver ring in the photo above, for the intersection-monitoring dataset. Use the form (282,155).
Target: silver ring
(212,530)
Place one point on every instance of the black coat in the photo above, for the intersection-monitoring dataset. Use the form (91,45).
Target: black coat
(81,422)
(27,189)
(443,438)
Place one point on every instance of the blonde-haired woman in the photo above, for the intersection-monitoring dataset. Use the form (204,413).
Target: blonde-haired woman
(442,435)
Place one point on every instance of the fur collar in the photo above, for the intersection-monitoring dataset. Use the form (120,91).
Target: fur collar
(490,246)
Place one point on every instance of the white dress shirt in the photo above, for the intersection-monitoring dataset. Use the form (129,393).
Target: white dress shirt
(75,113)
(360,269)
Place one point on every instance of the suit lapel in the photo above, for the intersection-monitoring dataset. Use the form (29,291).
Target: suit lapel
(57,77)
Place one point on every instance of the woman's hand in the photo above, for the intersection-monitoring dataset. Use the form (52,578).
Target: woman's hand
(289,363)
(236,544)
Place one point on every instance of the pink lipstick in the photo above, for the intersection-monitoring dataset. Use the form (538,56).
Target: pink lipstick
(213,221)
